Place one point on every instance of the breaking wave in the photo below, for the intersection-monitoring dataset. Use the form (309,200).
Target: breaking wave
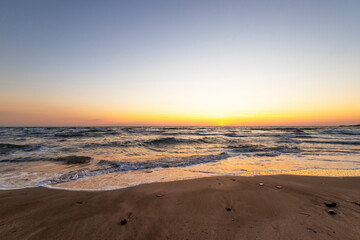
(118,166)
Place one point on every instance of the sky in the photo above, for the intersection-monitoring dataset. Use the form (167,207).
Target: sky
(179,63)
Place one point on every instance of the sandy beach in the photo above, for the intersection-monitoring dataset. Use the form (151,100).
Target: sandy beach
(285,207)
(180,120)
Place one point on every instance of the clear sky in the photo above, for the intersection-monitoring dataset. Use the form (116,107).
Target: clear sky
(179,62)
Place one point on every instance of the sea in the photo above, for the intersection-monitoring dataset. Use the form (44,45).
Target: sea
(106,158)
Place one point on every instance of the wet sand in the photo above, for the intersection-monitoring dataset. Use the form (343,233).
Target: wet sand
(208,208)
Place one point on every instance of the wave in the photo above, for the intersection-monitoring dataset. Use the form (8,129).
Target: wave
(172,162)
(158,142)
(234,135)
(73,159)
(342,132)
(262,150)
(118,166)
(333,160)
(289,140)
(61,132)
(169,141)
(6,148)
(356,143)
(84,133)
(111,144)
(287,129)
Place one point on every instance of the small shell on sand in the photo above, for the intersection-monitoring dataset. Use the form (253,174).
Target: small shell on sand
(331,212)
(279,187)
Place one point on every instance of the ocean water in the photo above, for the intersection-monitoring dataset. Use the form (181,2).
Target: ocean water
(99,158)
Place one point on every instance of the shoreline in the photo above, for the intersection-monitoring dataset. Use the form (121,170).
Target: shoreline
(308,172)
(223,207)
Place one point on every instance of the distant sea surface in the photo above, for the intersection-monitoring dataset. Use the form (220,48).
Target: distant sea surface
(100,158)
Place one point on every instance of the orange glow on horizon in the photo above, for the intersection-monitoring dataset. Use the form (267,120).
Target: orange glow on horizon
(22,113)
(64,117)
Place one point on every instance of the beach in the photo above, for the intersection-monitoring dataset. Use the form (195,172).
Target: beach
(179,120)
(224,207)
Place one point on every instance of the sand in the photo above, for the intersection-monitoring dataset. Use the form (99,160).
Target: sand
(208,208)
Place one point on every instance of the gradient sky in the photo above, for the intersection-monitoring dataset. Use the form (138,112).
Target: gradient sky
(179,62)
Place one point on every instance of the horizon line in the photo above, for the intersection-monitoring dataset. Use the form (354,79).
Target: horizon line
(178,126)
